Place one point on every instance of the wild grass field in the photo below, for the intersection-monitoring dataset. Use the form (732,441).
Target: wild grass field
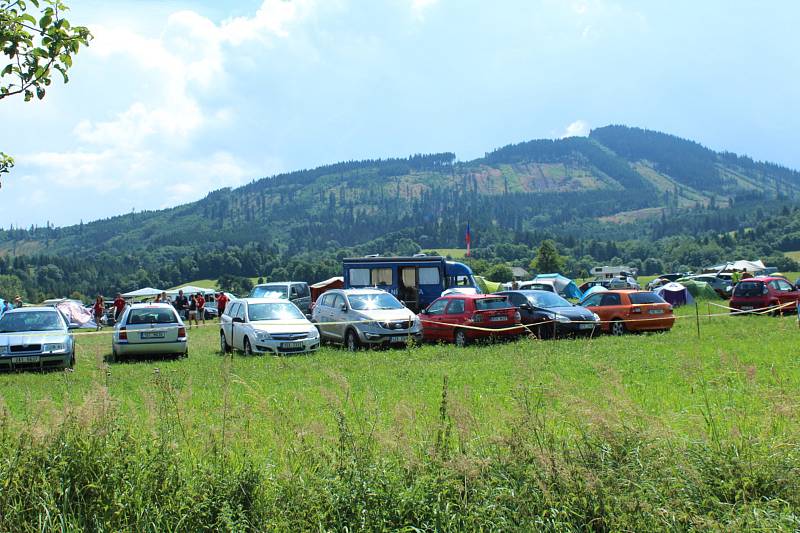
(641,432)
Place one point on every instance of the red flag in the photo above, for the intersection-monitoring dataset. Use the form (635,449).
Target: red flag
(468,239)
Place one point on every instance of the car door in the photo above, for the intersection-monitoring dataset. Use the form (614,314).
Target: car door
(226,322)
(338,316)
(454,315)
(238,327)
(322,313)
(432,328)
(784,290)
(613,308)
(526,310)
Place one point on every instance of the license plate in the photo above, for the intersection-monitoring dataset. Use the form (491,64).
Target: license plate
(498,318)
(398,339)
(747,308)
(585,326)
(27,359)
(152,335)
(291,345)
(656,311)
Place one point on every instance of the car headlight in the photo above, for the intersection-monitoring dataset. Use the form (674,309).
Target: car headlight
(596,317)
(263,336)
(415,323)
(54,347)
(313,333)
(4,350)
(561,318)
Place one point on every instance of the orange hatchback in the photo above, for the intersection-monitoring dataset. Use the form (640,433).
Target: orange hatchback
(623,311)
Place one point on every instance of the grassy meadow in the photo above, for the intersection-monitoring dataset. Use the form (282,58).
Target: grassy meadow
(653,431)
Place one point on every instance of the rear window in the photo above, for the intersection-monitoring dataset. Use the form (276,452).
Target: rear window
(645,298)
(485,304)
(749,288)
(152,316)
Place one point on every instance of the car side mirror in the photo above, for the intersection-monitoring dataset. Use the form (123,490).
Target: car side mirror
(238,320)
(424,312)
(344,308)
(526,307)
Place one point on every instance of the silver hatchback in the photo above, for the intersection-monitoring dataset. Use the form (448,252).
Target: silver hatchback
(356,317)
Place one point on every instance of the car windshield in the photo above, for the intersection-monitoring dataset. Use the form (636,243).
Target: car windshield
(31,321)
(548,299)
(271,291)
(485,304)
(368,302)
(645,298)
(749,288)
(149,315)
(274,311)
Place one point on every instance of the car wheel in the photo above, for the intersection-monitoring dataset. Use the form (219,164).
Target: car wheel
(223,344)
(351,341)
(461,338)
(72,360)
(248,349)
(617,328)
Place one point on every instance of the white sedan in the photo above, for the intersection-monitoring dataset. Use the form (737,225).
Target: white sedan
(149,329)
(266,325)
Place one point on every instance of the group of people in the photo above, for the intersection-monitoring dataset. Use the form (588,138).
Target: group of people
(193,307)
(7,305)
(190,308)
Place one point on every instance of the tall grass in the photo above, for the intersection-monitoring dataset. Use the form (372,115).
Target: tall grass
(653,432)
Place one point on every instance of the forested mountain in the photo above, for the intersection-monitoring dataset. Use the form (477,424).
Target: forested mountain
(617,184)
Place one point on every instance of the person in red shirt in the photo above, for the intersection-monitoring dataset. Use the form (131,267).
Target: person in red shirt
(201,308)
(222,302)
(99,308)
(119,306)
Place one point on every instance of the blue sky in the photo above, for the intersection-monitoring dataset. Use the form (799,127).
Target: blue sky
(175,99)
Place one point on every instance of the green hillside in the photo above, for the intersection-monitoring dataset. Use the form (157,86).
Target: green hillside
(617,184)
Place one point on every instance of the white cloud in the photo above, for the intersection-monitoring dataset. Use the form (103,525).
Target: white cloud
(419,7)
(579,128)
(146,149)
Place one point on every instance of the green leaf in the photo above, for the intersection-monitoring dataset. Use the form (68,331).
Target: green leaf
(40,92)
(45,21)
(7,70)
(27,17)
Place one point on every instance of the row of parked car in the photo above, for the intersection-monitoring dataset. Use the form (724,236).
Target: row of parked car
(356,318)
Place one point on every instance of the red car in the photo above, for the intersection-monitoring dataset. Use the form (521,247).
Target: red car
(758,293)
(628,310)
(441,320)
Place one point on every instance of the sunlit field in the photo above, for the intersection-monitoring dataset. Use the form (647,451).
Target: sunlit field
(371,428)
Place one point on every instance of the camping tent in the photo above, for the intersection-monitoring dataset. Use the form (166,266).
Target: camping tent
(191,289)
(317,289)
(143,293)
(675,294)
(563,285)
(700,289)
(754,267)
(488,287)
(593,289)
(76,313)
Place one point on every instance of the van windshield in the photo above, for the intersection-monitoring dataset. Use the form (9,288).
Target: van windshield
(271,291)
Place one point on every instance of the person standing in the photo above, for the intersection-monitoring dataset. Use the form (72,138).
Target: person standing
(736,276)
(98,308)
(119,306)
(182,305)
(192,311)
(222,303)
(201,308)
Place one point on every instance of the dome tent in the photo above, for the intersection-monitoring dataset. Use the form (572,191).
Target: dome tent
(676,294)
(563,285)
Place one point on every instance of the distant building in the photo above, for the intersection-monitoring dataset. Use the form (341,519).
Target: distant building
(519,273)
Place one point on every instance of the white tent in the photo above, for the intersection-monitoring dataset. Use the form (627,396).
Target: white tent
(191,289)
(143,293)
(750,266)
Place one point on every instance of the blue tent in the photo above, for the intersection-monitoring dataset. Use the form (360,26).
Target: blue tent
(563,285)
(593,289)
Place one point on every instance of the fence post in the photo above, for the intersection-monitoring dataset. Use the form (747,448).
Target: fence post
(697,317)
